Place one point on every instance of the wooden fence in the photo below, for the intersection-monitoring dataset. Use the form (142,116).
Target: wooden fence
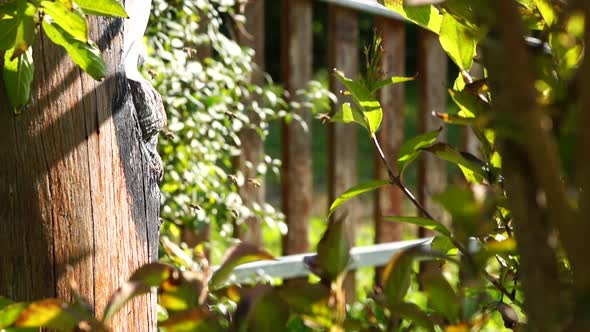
(296,71)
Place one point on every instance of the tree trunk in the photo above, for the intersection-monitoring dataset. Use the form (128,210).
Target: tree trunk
(79,180)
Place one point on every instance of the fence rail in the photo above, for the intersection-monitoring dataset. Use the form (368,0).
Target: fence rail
(293,266)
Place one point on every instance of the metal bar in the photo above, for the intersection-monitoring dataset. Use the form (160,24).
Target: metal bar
(366,6)
(293,266)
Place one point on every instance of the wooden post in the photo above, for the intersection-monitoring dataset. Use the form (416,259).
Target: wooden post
(252,36)
(296,69)
(79,180)
(432,71)
(388,200)
(343,32)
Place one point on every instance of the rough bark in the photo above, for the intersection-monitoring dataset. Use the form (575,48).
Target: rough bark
(343,34)
(252,36)
(79,183)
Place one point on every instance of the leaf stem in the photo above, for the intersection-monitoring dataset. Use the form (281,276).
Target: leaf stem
(397,181)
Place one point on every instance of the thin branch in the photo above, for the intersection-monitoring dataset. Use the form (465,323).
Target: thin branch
(397,181)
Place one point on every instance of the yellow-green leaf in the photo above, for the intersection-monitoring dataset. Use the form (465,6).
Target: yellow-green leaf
(333,251)
(355,191)
(147,276)
(441,296)
(240,254)
(18,75)
(471,167)
(413,313)
(458,41)
(112,8)
(26,15)
(426,16)
(85,55)
(71,20)
(8,25)
(422,222)
(349,114)
(392,80)
(51,313)
(412,148)
(547,11)
(365,100)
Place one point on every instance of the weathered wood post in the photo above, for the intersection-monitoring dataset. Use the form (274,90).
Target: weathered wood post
(296,71)
(343,46)
(252,154)
(79,176)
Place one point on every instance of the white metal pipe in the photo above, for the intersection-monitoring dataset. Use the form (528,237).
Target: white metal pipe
(366,6)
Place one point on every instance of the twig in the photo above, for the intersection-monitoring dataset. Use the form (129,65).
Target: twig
(397,181)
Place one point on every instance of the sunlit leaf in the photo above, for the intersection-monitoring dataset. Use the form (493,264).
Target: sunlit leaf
(192,320)
(18,76)
(426,16)
(111,8)
(147,276)
(85,55)
(469,104)
(349,114)
(412,148)
(10,312)
(26,16)
(441,296)
(458,41)
(355,191)
(51,313)
(183,291)
(546,8)
(72,21)
(422,222)
(472,168)
(333,251)
(392,80)
(412,313)
(365,100)
(443,244)
(238,255)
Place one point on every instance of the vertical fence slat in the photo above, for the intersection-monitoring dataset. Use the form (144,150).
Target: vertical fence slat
(252,36)
(343,43)
(296,67)
(432,96)
(388,200)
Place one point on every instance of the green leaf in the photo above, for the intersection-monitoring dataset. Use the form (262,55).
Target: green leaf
(472,168)
(427,16)
(333,251)
(10,313)
(355,191)
(240,254)
(423,222)
(413,313)
(469,104)
(193,320)
(392,80)
(183,291)
(349,114)
(366,101)
(50,313)
(111,8)
(85,55)
(441,296)
(412,148)
(268,312)
(458,41)
(25,30)
(396,276)
(147,276)
(309,300)
(547,12)
(8,25)
(71,20)
(443,244)
(18,76)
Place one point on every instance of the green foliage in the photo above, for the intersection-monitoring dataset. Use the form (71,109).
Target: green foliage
(64,23)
